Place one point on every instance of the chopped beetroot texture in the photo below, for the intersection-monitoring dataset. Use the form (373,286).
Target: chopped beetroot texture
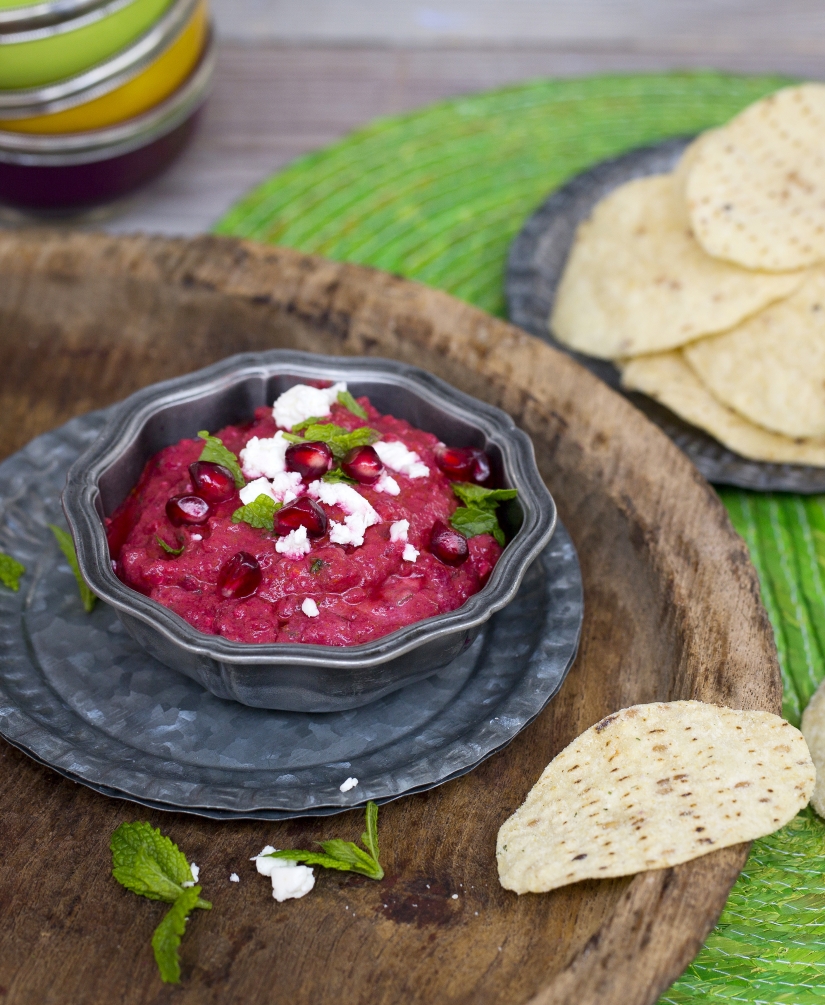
(362,592)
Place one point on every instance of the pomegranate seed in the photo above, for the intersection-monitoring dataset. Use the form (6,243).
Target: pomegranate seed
(187,509)
(303,512)
(240,576)
(463,464)
(364,465)
(310,460)
(213,482)
(448,545)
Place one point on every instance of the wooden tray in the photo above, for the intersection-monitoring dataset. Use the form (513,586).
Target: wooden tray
(672,611)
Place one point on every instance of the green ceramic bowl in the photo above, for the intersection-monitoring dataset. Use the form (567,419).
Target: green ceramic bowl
(44,55)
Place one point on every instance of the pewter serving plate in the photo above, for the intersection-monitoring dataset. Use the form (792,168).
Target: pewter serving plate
(79,695)
(535,266)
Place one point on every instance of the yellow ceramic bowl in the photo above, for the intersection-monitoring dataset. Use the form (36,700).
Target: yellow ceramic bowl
(152,85)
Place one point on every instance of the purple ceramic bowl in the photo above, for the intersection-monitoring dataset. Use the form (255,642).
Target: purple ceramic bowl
(70,172)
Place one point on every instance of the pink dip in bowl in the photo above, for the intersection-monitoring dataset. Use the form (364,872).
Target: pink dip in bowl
(360,592)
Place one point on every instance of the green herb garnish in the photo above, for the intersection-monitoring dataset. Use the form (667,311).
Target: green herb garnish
(215,452)
(316,565)
(339,440)
(260,513)
(347,400)
(344,855)
(478,514)
(338,475)
(149,864)
(64,539)
(168,548)
(10,572)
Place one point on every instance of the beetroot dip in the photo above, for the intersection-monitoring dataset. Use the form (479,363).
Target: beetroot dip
(334,594)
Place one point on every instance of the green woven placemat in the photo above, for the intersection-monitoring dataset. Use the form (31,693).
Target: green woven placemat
(437,196)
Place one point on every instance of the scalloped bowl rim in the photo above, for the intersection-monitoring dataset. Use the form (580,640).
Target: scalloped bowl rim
(81,492)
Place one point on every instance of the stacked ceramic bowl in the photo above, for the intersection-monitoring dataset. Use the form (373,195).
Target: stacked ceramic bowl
(96,96)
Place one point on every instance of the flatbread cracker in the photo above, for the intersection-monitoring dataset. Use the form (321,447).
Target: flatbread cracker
(636,280)
(813,729)
(771,367)
(756,189)
(652,786)
(667,378)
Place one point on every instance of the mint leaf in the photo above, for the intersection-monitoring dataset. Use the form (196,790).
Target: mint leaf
(358,860)
(148,863)
(477,495)
(472,521)
(312,421)
(478,515)
(215,452)
(347,400)
(369,839)
(167,935)
(66,543)
(10,572)
(260,513)
(337,475)
(344,855)
(311,858)
(340,440)
(168,548)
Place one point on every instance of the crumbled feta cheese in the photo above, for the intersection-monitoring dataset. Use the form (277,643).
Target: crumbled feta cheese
(396,456)
(264,457)
(409,554)
(342,495)
(295,544)
(195,870)
(260,487)
(289,881)
(303,402)
(234,877)
(360,513)
(398,530)
(197,537)
(350,783)
(310,608)
(386,483)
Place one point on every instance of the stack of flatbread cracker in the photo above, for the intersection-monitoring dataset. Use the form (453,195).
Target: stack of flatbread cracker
(707,286)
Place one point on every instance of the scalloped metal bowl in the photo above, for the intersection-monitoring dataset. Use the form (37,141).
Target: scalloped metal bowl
(307,678)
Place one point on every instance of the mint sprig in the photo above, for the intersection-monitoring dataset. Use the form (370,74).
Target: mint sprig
(168,547)
(345,856)
(347,400)
(339,440)
(478,514)
(150,864)
(64,539)
(10,572)
(215,452)
(260,513)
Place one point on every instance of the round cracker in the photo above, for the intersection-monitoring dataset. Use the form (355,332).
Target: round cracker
(668,378)
(652,786)
(756,188)
(771,367)
(813,729)
(637,282)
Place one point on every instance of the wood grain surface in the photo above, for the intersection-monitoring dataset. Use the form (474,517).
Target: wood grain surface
(672,611)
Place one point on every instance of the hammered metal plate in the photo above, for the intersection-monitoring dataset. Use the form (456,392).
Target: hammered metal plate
(79,695)
(537,258)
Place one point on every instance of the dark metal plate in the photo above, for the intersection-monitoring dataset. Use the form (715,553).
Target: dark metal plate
(536,262)
(79,695)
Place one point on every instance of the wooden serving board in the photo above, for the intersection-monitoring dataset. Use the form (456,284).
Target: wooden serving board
(672,611)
